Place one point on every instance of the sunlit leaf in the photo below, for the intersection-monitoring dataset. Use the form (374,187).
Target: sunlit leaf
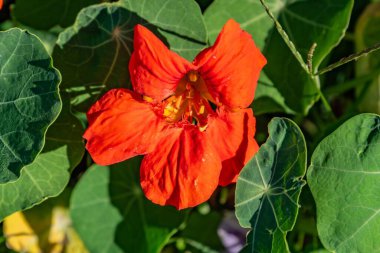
(290,86)
(344,178)
(111,213)
(48,175)
(93,55)
(269,186)
(29,100)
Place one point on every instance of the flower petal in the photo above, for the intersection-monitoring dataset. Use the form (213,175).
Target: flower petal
(231,67)
(240,146)
(183,171)
(121,126)
(155,70)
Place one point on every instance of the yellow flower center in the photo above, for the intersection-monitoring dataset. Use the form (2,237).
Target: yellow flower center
(189,103)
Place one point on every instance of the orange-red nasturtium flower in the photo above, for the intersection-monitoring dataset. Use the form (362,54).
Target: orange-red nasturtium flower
(190,147)
(1,4)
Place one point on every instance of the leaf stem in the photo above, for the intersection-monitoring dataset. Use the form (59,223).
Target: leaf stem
(285,37)
(326,103)
(348,59)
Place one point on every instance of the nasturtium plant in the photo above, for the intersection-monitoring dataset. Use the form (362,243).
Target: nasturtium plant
(344,179)
(109,200)
(269,186)
(230,102)
(29,100)
(175,127)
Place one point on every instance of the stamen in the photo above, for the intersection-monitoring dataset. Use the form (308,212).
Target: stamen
(167,112)
(201,109)
(178,102)
(147,99)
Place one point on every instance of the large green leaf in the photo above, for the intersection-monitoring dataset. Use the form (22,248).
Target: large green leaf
(29,100)
(48,175)
(42,14)
(291,86)
(269,186)
(93,55)
(111,213)
(344,178)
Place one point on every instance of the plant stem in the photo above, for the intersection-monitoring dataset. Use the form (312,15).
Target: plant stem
(326,104)
(323,98)
(348,59)
(285,37)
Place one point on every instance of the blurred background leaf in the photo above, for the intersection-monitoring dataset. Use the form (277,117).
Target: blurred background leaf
(367,33)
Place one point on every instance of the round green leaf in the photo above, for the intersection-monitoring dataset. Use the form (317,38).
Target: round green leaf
(48,175)
(94,53)
(292,88)
(111,214)
(42,14)
(29,100)
(269,186)
(344,179)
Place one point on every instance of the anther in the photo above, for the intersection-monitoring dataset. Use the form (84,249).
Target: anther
(148,99)
(201,109)
(178,102)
